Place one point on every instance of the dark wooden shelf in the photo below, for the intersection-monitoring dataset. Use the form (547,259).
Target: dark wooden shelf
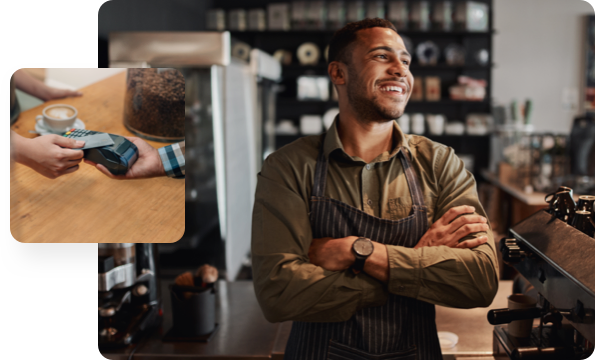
(429,136)
(331,32)
(281,101)
(451,67)
(448,102)
(414,66)
(289,107)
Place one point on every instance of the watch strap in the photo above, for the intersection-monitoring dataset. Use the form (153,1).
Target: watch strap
(358,264)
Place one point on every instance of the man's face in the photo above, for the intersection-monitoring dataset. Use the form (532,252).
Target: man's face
(379,82)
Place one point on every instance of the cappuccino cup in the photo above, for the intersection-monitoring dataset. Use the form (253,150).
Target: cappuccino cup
(58,117)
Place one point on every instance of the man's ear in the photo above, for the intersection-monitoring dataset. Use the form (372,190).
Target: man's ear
(337,73)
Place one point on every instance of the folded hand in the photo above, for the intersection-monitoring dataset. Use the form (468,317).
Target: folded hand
(453,226)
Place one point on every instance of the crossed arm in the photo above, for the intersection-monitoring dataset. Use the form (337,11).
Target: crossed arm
(458,222)
(294,278)
(300,278)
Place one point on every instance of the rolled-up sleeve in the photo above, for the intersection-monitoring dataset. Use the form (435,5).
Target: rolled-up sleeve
(462,278)
(173,158)
(287,285)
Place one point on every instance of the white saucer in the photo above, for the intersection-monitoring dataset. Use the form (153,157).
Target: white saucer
(447,339)
(43,130)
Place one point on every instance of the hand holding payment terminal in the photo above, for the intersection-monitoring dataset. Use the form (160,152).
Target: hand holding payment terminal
(115,152)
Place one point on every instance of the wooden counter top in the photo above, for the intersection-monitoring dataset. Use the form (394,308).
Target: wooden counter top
(244,333)
(87,206)
(472,326)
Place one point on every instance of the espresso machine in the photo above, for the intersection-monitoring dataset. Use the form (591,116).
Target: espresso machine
(559,262)
(129,301)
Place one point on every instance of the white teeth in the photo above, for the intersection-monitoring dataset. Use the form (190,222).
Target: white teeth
(392,88)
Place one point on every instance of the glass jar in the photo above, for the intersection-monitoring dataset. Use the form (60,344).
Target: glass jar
(154,104)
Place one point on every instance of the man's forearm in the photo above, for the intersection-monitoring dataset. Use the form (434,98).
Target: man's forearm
(377,265)
(300,291)
(461,278)
(430,274)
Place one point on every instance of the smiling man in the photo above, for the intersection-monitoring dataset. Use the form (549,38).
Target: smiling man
(357,233)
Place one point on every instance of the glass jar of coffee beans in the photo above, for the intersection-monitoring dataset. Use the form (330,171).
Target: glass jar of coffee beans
(154,104)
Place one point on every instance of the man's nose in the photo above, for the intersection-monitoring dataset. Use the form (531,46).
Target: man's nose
(398,69)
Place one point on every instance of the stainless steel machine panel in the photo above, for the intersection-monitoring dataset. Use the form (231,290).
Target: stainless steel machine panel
(175,49)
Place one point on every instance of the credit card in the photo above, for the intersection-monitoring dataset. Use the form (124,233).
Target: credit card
(95,141)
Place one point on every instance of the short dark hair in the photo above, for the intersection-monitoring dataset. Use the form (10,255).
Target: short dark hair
(343,37)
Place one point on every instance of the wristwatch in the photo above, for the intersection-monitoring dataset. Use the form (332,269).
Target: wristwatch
(362,248)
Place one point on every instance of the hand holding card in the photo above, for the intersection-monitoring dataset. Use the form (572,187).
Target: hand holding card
(50,155)
(114,152)
(147,165)
(95,141)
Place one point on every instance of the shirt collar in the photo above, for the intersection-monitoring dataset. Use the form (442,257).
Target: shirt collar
(332,142)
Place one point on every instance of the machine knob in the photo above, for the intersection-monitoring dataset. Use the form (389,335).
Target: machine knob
(511,251)
(140,290)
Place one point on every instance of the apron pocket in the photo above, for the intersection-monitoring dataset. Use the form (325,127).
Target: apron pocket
(399,208)
(337,351)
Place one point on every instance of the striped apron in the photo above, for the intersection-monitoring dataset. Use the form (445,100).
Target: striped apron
(403,328)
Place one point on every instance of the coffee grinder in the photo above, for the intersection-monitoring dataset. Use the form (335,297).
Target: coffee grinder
(129,301)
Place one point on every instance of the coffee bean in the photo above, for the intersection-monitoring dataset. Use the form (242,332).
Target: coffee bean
(154,103)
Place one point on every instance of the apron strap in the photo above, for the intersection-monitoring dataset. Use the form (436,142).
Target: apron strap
(320,173)
(414,188)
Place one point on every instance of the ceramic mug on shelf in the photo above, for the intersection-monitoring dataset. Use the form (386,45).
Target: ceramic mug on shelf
(404,123)
(436,124)
(418,124)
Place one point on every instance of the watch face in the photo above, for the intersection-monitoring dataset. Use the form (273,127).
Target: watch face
(363,247)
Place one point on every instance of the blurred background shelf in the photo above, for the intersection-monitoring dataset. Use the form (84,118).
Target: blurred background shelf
(288,107)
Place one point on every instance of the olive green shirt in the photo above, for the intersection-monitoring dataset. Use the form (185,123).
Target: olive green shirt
(289,287)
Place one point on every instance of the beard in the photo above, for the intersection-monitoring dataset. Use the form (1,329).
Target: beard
(368,109)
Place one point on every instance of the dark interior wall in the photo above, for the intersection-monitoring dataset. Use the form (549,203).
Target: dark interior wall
(148,15)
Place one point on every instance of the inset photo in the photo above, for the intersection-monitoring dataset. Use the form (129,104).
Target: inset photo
(97,155)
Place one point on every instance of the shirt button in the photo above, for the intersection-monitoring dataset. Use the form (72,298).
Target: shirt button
(369,202)
(368,166)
